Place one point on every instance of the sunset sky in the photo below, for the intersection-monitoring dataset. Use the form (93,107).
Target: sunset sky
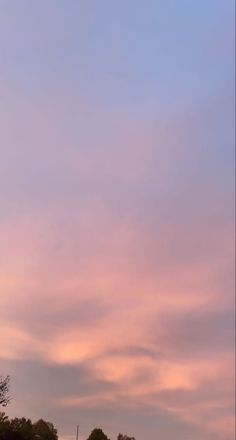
(117,215)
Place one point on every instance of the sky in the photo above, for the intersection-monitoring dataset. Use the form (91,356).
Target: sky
(117,215)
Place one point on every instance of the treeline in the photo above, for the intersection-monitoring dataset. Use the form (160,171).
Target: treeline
(98,434)
(24,429)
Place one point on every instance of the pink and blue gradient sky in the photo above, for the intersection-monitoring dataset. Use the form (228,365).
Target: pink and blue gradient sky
(117,215)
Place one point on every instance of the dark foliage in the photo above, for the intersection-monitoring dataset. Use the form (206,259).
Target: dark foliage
(98,434)
(44,430)
(23,429)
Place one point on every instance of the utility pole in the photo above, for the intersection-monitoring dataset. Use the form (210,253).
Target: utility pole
(77,433)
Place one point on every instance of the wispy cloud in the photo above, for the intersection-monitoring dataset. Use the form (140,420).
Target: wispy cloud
(117,261)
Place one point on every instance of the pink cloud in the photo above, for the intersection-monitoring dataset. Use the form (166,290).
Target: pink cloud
(140,263)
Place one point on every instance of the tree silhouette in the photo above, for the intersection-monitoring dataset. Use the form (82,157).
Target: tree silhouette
(23,429)
(4,389)
(97,434)
(23,426)
(124,437)
(44,430)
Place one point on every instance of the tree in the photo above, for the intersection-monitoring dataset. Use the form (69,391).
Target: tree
(23,427)
(97,434)
(5,430)
(3,418)
(16,429)
(124,437)
(4,389)
(44,430)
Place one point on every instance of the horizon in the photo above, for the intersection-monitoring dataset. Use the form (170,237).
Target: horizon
(117,217)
